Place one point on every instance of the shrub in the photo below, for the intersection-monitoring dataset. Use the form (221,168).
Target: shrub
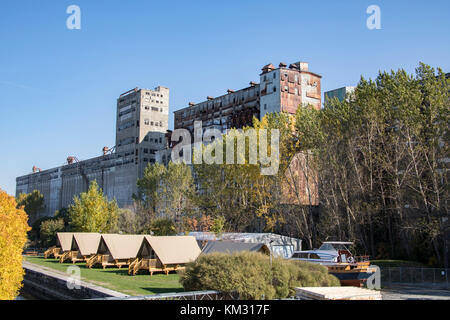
(249,274)
(13,236)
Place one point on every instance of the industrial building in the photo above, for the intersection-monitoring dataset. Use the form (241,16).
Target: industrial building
(281,89)
(142,134)
(341,94)
(142,121)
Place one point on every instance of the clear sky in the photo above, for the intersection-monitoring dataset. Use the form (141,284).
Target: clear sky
(58,87)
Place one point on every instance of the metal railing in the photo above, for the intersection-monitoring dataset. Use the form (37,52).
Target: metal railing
(190,295)
(414,275)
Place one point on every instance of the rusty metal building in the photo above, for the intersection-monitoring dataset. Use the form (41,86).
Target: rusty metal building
(281,89)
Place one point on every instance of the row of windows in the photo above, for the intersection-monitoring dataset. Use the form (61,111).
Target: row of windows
(126,141)
(126,125)
(156,124)
(127,111)
(153,94)
(153,108)
(152,151)
(146,138)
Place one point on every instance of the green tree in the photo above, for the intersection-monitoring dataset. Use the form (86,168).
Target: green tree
(165,192)
(162,227)
(218,225)
(380,161)
(92,212)
(32,202)
(48,230)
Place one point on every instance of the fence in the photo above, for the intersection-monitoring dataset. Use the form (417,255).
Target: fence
(191,295)
(423,276)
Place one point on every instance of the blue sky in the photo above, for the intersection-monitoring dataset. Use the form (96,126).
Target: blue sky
(58,87)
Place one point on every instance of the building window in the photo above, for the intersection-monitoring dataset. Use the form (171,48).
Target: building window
(274,89)
(151,123)
(274,75)
(161,109)
(145,150)
(160,123)
(265,106)
(155,109)
(160,140)
(147,107)
(146,121)
(146,138)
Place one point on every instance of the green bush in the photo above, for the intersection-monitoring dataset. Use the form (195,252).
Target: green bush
(249,274)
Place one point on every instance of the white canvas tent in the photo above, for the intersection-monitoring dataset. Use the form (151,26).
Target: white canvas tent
(165,254)
(116,250)
(84,245)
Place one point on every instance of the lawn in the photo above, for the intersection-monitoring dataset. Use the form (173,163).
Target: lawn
(118,279)
(396,263)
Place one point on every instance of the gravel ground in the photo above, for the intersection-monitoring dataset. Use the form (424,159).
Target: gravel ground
(414,292)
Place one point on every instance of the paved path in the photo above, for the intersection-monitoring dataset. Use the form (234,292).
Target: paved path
(410,292)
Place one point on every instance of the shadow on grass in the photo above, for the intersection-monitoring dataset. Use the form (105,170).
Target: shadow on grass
(162,290)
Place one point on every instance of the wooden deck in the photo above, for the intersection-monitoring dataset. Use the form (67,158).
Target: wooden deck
(152,266)
(105,260)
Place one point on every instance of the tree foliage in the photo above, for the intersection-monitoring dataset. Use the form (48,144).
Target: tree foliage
(162,227)
(380,155)
(165,192)
(13,237)
(32,202)
(48,231)
(93,212)
(252,276)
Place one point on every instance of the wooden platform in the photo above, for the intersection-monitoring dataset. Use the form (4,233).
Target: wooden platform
(337,293)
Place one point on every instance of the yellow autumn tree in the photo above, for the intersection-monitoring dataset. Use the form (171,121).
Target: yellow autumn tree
(13,236)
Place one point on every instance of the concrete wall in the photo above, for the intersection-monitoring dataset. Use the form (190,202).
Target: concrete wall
(42,283)
(114,173)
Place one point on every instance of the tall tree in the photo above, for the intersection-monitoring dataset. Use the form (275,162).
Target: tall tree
(93,212)
(381,164)
(13,237)
(32,202)
(165,192)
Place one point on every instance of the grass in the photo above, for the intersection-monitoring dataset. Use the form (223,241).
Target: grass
(396,263)
(117,279)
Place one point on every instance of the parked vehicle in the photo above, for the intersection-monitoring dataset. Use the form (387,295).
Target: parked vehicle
(349,269)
